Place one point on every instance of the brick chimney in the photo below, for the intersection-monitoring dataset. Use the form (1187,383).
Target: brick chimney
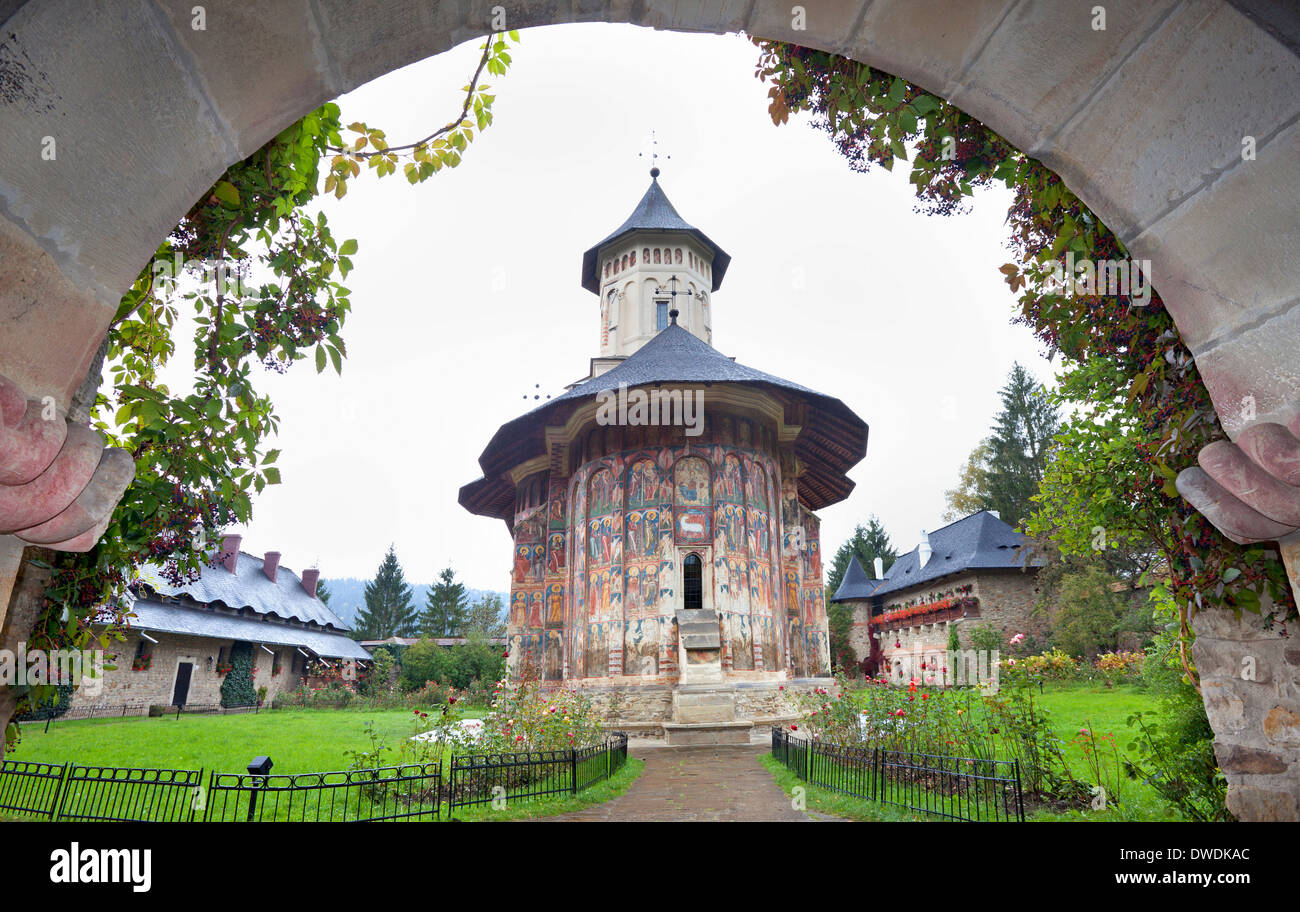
(230,551)
(271,563)
(309,580)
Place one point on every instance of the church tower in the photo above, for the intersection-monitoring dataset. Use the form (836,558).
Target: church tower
(652,264)
(667,555)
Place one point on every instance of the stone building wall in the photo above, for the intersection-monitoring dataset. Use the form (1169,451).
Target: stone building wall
(156,684)
(1250,679)
(1007,601)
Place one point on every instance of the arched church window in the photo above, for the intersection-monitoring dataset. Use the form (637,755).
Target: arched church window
(607,269)
(656,254)
(677,258)
(693,582)
(645,255)
(633,260)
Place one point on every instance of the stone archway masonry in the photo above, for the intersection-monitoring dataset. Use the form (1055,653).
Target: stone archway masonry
(1145,120)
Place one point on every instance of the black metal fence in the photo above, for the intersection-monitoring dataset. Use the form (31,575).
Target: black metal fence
(112,793)
(31,788)
(70,792)
(954,788)
(412,792)
(478,779)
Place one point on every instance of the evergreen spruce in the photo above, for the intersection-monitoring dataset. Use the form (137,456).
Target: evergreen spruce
(388,610)
(445,607)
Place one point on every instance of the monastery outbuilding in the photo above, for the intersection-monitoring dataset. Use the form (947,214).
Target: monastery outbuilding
(970,572)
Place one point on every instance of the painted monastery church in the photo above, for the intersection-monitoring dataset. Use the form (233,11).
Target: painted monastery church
(667,556)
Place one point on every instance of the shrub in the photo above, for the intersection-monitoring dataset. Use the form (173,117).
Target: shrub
(526,717)
(1175,755)
(1117,667)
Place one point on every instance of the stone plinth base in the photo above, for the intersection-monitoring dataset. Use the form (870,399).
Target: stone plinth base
(702,734)
(704,703)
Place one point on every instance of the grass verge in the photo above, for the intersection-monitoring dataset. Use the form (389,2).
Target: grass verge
(541,808)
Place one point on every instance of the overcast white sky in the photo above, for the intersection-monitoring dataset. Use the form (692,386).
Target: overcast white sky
(466,294)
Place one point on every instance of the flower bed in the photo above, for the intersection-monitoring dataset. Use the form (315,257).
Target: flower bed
(946,609)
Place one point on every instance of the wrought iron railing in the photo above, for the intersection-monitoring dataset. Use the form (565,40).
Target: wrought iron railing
(411,792)
(479,779)
(113,793)
(954,788)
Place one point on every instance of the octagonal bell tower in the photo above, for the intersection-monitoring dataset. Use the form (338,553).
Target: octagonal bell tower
(652,264)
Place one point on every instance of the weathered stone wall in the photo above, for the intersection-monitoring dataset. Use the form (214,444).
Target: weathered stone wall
(156,684)
(1007,601)
(1250,680)
(643,708)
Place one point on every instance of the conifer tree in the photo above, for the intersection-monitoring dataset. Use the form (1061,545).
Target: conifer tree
(388,610)
(445,606)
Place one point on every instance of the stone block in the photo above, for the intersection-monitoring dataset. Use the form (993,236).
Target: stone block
(707,734)
(117,184)
(927,42)
(706,706)
(281,42)
(1225,257)
(1041,64)
(830,25)
(1256,370)
(1249,760)
(368,38)
(1135,141)
(716,16)
(1251,803)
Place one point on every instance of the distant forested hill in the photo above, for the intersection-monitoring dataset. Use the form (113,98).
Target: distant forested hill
(348,596)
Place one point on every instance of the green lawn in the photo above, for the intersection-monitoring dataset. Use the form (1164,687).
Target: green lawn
(1103,710)
(309,740)
(1071,707)
(296,740)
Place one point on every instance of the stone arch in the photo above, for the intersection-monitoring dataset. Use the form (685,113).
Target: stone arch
(1218,228)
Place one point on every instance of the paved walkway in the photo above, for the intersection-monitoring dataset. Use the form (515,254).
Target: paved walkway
(698,783)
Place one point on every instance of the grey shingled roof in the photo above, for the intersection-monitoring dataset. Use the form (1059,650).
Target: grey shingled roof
(180,619)
(856,584)
(832,440)
(980,541)
(248,587)
(653,213)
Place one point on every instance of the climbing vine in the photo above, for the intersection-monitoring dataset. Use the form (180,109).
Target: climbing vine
(1147,412)
(237,688)
(262,274)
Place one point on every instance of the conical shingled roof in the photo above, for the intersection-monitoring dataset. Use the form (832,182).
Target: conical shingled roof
(832,438)
(856,584)
(653,213)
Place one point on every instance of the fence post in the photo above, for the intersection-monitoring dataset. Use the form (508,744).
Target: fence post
(876,792)
(1020,797)
(573,771)
(58,791)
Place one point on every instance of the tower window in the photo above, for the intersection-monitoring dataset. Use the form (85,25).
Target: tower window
(661,315)
(693,582)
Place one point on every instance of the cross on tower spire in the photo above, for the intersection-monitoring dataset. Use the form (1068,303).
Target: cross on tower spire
(654,155)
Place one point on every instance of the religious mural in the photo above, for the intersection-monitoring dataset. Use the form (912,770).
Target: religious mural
(595,576)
